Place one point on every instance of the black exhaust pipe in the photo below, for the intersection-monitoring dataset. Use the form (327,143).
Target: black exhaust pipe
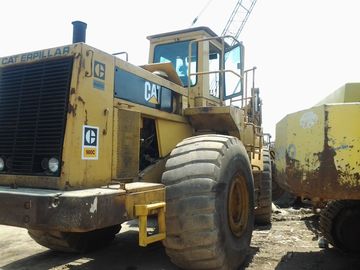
(79,31)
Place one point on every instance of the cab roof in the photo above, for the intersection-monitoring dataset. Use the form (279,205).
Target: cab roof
(207,30)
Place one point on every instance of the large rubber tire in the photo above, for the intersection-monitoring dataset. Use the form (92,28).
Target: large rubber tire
(210,203)
(263,210)
(75,242)
(340,223)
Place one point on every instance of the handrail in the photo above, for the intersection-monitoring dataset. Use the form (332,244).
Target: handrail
(126,55)
(248,76)
(222,63)
(217,71)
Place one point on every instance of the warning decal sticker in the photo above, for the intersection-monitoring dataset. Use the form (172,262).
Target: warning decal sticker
(90,143)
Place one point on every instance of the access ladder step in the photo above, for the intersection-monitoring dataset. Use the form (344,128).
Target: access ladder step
(142,211)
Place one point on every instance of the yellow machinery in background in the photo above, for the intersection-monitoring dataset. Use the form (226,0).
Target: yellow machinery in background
(318,158)
(88,141)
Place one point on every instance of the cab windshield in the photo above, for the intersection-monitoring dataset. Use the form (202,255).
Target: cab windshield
(178,54)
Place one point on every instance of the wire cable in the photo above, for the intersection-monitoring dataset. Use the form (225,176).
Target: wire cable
(201,12)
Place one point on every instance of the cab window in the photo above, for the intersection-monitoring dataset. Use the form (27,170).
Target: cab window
(178,54)
(214,65)
(234,60)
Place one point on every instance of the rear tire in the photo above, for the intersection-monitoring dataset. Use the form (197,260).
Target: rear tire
(210,203)
(75,242)
(263,210)
(340,223)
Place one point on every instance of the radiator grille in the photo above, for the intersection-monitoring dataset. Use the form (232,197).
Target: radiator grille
(33,105)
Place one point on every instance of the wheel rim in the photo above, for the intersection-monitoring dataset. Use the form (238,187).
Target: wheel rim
(238,205)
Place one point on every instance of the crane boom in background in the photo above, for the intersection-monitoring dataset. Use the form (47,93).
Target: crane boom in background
(238,18)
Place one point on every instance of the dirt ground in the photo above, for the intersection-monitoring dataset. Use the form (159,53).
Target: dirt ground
(290,243)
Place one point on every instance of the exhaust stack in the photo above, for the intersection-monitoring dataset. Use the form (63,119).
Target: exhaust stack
(79,31)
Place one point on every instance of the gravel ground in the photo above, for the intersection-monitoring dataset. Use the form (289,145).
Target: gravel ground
(291,242)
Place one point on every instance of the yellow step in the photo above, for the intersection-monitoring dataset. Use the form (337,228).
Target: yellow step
(142,211)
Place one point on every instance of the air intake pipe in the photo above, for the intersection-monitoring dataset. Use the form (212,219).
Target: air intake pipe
(79,31)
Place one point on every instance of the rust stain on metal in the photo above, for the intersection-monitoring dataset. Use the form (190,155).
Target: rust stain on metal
(72,109)
(327,169)
(326,181)
(86,117)
(81,100)
(292,176)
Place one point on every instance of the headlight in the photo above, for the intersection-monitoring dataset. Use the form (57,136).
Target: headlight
(53,165)
(2,164)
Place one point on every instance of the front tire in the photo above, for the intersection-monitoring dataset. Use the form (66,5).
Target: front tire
(75,242)
(210,203)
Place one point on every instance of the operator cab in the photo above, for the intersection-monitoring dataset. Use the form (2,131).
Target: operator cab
(211,67)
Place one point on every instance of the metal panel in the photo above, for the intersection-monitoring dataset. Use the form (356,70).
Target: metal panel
(349,92)
(216,119)
(136,89)
(126,143)
(317,152)
(169,134)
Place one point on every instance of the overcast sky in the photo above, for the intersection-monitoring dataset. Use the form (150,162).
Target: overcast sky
(303,49)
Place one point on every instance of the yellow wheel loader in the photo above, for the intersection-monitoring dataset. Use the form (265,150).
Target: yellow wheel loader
(89,141)
(317,158)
